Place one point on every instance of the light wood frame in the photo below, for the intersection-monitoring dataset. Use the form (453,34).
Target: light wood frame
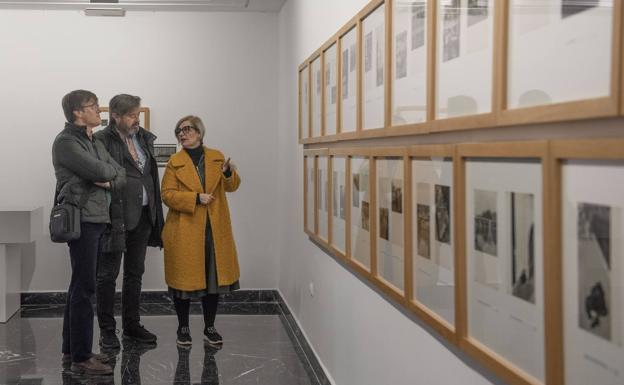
(338,153)
(608,106)
(145,123)
(433,319)
(499,365)
(308,158)
(308,129)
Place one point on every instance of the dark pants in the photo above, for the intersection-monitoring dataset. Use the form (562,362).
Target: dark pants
(78,318)
(133,269)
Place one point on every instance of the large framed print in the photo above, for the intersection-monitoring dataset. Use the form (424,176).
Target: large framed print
(317,86)
(322,191)
(390,201)
(373,67)
(360,206)
(304,103)
(465,56)
(591,259)
(331,89)
(560,51)
(308,191)
(348,78)
(433,256)
(409,47)
(504,255)
(338,198)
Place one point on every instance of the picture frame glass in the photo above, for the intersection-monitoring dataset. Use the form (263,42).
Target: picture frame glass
(593,271)
(323,189)
(331,89)
(464,60)
(310,186)
(304,98)
(432,235)
(390,203)
(409,61)
(317,80)
(373,27)
(360,201)
(504,259)
(348,89)
(559,51)
(339,190)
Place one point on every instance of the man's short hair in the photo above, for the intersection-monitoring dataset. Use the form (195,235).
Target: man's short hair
(74,101)
(123,103)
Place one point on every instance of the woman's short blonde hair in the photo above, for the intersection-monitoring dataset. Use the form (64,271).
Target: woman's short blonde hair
(196,122)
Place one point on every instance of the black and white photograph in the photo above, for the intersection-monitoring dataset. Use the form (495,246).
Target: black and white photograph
(379,51)
(572,7)
(352,58)
(451,32)
(401,55)
(397,195)
(522,217)
(342,202)
(443,213)
(345,74)
(384,221)
(422,230)
(594,269)
(368,52)
(485,238)
(477,11)
(365,215)
(355,189)
(419,9)
(162,153)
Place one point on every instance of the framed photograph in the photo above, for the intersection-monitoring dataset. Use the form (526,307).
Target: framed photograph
(409,82)
(591,250)
(504,251)
(360,248)
(348,111)
(144,117)
(309,193)
(338,214)
(162,153)
(374,72)
(322,185)
(562,55)
(316,97)
(331,85)
(464,62)
(389,203)
(433,256)
(304,103)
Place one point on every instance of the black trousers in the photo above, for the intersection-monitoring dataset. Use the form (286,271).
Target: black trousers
(78,317)
(133,269)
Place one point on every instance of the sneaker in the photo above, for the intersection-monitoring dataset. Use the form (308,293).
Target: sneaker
(184,337)
(211,336)
(109,339)
(91,367)
(102,357)
(138,333)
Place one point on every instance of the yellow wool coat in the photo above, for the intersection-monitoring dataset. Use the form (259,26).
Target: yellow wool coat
(184,232)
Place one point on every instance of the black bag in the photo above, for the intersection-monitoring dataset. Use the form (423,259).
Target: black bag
(65,219)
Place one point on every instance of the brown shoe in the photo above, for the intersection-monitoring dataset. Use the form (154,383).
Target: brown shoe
(91,366)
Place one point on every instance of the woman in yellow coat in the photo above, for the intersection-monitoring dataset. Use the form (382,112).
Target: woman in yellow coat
(200,254)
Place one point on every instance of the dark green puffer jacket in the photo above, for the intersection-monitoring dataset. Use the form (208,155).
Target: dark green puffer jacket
(78,162)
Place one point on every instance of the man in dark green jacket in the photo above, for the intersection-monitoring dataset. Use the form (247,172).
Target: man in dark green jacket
(83,166)
(137,221)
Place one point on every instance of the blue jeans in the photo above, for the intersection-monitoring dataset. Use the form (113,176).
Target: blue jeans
(78,318)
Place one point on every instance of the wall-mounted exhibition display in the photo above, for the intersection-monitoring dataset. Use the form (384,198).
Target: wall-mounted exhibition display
(442,65)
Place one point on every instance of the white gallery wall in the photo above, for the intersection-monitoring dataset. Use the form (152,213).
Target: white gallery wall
(220,66)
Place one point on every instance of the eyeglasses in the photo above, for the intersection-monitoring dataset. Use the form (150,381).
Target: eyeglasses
(184,130)
(95,106)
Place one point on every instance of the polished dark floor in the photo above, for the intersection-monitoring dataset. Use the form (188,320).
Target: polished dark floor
(257,350)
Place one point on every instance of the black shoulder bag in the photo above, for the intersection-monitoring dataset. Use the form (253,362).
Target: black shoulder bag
(65,219)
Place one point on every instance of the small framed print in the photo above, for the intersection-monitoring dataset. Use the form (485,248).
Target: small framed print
(591,174)
(504,256)
(348,76)
(308,192)
(338,217)
(162,153)
(304,103)
(360,208)
(322,202)
(374,37)
(144,117)
(316,99)
(331,89)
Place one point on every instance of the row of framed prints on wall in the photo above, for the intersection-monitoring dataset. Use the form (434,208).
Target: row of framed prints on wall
(417,66)
(512,251)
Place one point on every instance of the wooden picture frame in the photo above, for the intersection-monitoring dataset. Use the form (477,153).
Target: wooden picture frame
(304,93)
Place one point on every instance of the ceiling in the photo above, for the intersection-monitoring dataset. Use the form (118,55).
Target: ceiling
(153,5)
